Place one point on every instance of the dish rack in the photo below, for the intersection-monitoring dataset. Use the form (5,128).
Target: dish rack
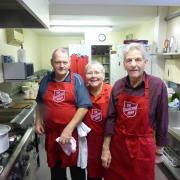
(172,155)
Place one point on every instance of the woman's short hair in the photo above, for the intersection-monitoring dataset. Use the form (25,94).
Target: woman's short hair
(97,64)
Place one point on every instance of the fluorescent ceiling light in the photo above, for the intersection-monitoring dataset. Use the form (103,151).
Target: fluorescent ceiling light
(79,23)
(80,29)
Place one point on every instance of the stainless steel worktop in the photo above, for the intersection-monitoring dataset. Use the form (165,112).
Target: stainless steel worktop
(19,112)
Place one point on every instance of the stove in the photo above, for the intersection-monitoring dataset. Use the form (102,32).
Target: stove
(20,160)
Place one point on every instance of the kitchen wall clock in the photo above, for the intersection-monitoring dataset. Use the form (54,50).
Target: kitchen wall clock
(102,37)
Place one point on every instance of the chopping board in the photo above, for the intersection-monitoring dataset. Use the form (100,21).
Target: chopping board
(23,105)
(30,98)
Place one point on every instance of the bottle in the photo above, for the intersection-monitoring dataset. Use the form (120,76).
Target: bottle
(21,54)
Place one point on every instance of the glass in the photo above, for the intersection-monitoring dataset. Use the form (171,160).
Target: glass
(94,73)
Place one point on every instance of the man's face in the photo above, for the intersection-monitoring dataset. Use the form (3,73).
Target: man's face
(135,64)
(60,64)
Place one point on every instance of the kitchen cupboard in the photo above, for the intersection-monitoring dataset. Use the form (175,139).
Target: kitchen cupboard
(101,53)
(172,70)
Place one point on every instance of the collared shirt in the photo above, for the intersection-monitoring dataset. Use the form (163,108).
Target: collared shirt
(82,97)
(158,105)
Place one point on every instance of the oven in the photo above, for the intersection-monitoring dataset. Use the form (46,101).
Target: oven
(19,162)
(21,159)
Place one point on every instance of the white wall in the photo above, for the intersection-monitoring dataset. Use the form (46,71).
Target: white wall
(49,43)
(31,45)
(40,47)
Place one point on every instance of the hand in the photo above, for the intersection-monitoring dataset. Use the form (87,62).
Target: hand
(65,136)
(158,159)
(106,158)
(159,154)
(39,128)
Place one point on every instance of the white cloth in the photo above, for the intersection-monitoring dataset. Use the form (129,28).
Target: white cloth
(82,130)
(69,147)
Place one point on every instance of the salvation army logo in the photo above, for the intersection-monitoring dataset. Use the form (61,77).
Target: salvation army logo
(96,115)
(130,109)
(59,96)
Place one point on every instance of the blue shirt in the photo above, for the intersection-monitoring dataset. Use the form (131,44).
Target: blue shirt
(82,97)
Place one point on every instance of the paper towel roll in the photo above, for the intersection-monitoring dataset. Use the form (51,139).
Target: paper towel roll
(21,55)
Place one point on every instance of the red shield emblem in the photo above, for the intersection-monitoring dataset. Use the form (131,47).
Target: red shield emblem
(59,96)
(130,109)
(96,115)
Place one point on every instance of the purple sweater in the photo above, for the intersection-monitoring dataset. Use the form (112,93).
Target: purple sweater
(158,105)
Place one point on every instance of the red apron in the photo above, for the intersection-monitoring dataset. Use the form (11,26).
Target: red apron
(60,108)
(95,119)
(132,146)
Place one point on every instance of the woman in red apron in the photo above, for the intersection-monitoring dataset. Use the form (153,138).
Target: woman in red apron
(96,117)
(130,152)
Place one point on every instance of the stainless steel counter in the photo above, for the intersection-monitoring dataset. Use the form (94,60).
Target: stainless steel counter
(19,113)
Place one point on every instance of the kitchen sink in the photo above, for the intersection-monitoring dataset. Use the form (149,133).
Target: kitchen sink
(174,119)
(9,112)
(6,115)
(174,123)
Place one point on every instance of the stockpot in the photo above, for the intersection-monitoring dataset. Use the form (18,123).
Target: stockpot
(4,137)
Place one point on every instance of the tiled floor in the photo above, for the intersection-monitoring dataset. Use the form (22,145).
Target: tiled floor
(43,172)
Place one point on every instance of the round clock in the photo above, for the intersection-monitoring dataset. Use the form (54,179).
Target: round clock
(102,37)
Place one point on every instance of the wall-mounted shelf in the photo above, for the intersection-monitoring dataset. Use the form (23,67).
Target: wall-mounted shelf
(174,55)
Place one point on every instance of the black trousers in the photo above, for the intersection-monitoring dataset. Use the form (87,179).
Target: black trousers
(58,173)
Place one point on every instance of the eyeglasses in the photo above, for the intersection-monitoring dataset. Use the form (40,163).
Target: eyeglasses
(137,60)
(93,73)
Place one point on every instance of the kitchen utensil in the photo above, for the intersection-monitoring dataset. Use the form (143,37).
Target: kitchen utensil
(4,137)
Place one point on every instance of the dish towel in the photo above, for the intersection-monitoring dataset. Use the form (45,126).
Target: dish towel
(69,147)
(82,130)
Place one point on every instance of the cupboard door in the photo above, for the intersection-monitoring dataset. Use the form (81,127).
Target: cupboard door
(177,71)
(117,68)
(172,71)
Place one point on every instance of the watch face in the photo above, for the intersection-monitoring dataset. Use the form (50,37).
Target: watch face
(102,37)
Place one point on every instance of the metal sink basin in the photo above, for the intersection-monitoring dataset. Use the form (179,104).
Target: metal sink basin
(9,112)
(6,115)
(174,124)
(174,119)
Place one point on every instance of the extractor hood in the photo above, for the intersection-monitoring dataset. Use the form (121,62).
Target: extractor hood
(23,14)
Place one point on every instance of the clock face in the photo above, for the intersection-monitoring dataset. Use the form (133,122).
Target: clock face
(102,37)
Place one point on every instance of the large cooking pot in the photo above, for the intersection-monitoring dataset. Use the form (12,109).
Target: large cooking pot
(4,137)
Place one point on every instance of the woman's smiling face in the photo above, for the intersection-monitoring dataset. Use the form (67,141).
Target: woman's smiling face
(94,76)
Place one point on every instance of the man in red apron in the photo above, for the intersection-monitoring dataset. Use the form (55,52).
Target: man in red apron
(60,108)
(138,107)
(96,118)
